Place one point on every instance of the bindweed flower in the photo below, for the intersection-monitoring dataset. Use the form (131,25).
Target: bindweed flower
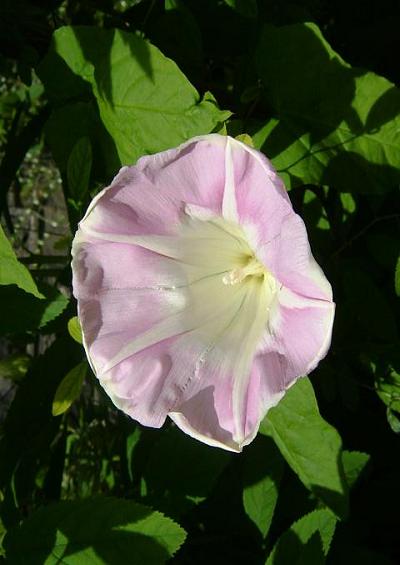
(198,295)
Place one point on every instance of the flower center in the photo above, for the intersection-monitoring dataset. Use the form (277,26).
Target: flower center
(252,268)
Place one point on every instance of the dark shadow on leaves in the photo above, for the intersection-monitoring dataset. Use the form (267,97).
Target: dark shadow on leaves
(64,529)
(356,174)
(262,456)
(337,501)
(75,115)
(319,111)
(96,45)
(386,108)
(122,547)
(301,107)
(61,83)
(176,490)
(291,551)
(30,427)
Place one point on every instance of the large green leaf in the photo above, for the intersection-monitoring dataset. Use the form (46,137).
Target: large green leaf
(12,271)
(98,531)
(310,445)
(145,102)
(262,473)
(291,545)
(331,124)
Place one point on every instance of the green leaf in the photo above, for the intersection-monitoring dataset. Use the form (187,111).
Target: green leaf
(310,445)
(12,271)
(145,102)
(245,138)
(69,389)
(22,312)
(262,473)
(96,531)
(73,121)
(397,277)
(14,367)
(332,124)
(132,442)
(388,389)
(78,169)
(393,420)
(354,462)
(291,545)
(246,8)
(75,330)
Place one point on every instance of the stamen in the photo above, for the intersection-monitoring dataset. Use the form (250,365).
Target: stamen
(253,268)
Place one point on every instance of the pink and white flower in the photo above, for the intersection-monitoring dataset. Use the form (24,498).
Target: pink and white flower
(198,295)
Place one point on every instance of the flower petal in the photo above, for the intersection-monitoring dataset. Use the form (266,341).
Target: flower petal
(229,206)
(292,262)
(261,199)
(149,197)
(298,337)
(163,330)
(217,406)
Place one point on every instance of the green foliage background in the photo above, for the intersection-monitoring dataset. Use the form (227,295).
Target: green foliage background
(88,86)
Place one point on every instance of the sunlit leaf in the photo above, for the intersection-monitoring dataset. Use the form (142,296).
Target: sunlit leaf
(145,102)
(291,545)
(262,473)
(75,330)
(245,138)
(388,389)
(393,420)
(12,272)
(332,124)
(98,531)
(354,462)
(310,445)
(69,389)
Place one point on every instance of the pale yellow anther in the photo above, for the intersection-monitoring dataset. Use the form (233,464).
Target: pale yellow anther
(253,268)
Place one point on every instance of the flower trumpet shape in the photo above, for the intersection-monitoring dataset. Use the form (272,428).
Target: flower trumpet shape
(197,292)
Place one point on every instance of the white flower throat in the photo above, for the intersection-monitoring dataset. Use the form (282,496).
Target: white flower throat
(252,268)
(220,249)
